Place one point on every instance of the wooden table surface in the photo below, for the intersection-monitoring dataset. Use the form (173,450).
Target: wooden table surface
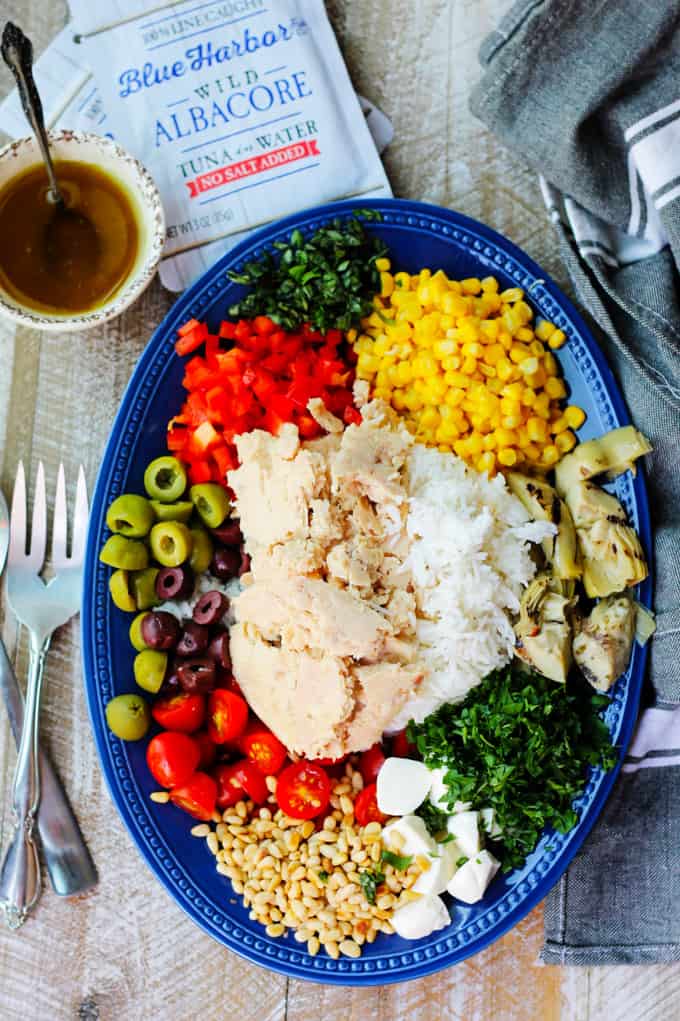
(126,952)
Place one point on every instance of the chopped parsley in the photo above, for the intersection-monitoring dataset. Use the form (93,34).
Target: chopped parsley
(520,744)
(323,875)
(370,881)
(400,862)
(461,861)
(328,279)
(434,818)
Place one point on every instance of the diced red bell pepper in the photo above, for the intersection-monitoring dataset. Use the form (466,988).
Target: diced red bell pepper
(199,471)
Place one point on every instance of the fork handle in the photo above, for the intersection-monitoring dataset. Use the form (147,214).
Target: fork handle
(69,863)
(20,883)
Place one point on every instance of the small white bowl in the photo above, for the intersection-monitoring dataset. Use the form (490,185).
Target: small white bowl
(143,194)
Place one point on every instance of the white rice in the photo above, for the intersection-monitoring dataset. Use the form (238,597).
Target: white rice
(469,560)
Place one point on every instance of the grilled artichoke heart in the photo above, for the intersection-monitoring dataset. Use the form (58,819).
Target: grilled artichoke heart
(602,646)
(612,555)
(610,455)
(544,630)
(543,504)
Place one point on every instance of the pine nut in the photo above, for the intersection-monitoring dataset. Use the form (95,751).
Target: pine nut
(161,798)
(202,830)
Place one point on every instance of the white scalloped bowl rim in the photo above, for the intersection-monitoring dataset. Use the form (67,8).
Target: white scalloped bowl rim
(23,153)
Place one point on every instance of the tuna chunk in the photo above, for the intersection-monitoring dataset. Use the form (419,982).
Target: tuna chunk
(309,613)
(302,698)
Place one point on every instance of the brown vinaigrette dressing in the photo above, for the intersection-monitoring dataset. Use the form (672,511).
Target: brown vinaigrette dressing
(76,282)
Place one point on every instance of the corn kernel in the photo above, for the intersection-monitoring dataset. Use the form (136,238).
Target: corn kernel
(398,400)
(471,285)
(555,388)
(512,294)
(544,329)
(382,265)
(402,281)
(386,284)
(574,417)
(550,455)
(537,429)
(469,365)
(519,353)
(527,337)
(557,339)
(486,462)
(528,366)
(507,457)
(489,284)
(565,442)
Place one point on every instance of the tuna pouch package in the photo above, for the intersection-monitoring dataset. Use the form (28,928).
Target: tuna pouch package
(243,112)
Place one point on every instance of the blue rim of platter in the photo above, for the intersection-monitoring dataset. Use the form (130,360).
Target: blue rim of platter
(389,959)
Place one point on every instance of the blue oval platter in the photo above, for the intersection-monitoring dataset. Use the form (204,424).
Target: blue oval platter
(417,235)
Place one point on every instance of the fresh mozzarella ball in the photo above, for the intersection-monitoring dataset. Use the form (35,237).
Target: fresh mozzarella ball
(413,831)
(469,883)
(441,870)
(420,917)
(465,828)
(489,822)
(402,786)
(439,790)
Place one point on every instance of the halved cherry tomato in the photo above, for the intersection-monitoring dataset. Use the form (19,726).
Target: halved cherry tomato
(251,780)
(197,796)
(227,715)
(172,758)
(371,762)
(184,712)
(263,748)
(402,747)
(303,790)
(366,807)
(229,790)
(207,747)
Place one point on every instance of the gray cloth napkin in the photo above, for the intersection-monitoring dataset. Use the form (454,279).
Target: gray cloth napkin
(589,93)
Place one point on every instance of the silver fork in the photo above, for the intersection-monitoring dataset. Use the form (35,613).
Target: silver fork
(41,608)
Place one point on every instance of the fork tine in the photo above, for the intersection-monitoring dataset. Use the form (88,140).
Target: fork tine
(80,517)
(17,518)
(36,557)
(60,522)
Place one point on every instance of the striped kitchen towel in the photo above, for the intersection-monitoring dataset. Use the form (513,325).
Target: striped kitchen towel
(589,93)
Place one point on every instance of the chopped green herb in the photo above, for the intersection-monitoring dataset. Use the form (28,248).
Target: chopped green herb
(397,861)
(461,861)
(323,875)
(327,280)
(370,881)
(434,819)
(520,744)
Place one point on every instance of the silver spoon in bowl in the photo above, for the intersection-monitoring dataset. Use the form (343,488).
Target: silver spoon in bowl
(69,235)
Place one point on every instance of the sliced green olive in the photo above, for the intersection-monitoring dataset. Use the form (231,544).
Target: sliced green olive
(149,668)
(211,502)
(130,515)
(202,551)
(181,510)
(138,642)
(171,543)
(126,554)
(128,716)
(144,588)
(165,479)
(119,587)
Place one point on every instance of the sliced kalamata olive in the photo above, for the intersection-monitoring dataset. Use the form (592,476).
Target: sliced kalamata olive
(219,650)
(175,582)
(245,563)
(193,639)
(210,608)
(197,675)
(226,563)
(229,533)
(160,630)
